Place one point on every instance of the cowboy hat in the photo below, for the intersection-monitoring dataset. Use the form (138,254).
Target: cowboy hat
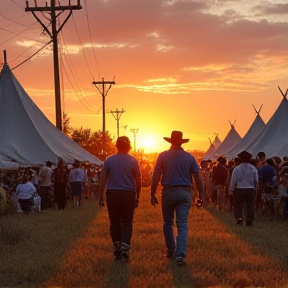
(222,158)
(176,138)
(244,156)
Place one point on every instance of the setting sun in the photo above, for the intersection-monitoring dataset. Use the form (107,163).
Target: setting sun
(147,144)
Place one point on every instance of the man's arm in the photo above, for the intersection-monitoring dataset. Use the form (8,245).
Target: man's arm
(102,187)
(138,182)
(199,185)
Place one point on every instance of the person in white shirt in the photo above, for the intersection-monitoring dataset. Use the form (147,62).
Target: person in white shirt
(77,180)
(45,175)
(244,186)
(25,193)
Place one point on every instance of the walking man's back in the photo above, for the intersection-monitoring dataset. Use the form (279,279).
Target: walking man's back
(175,168)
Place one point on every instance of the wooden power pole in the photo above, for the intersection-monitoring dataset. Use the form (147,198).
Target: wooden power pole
(103,93)
(117,115)
(134,131)
(53,35)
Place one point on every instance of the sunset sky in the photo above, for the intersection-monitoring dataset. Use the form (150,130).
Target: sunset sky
(183,65)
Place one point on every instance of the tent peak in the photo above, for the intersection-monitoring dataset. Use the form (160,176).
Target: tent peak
(232,125)
(284,95)
(257,112)
(5,57)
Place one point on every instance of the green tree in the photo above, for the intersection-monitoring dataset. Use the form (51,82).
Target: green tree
(66,124)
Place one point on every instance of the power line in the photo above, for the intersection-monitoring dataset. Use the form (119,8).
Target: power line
(32,55)
(82,48)
(71,68)
(90,35)
(17,4)
(19,34)
(13,21)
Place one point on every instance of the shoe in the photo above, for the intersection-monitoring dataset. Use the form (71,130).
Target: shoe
(170,254)
(239,222)
(117,255)
(249,222)
(180,262)
(125,256)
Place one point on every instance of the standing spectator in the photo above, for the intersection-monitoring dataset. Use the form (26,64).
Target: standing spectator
(244,186)
(121,174)
(175,168)
(205,176)
(60,180)
(237,162)
(77,180)
(45,175)
(220,177)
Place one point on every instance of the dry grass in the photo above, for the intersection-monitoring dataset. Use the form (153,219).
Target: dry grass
(72,248)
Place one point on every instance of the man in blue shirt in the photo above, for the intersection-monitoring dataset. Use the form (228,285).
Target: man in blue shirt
(175,168)
(121,177)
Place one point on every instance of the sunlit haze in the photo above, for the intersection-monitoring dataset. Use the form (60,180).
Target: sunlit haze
(188,65)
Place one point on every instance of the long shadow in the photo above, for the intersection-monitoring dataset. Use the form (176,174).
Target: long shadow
(43,244)
(119,275)
(183,276)
(266,235)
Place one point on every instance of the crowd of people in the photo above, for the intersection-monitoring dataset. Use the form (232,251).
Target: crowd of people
(269,194)
(242,185)
(39,188)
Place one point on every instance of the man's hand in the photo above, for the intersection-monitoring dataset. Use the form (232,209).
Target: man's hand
(136,203)
(154,201)
(101,202)
(199,203)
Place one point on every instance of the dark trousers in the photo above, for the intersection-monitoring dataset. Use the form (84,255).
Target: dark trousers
(242,196)
(121,205)
(60,194)
(46,201)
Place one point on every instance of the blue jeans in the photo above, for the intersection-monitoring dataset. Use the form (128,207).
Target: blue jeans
(176,201)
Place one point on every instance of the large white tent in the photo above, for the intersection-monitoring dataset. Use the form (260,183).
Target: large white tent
(273,138)
(231,139)
(26,135)
(208,155)
(257,125)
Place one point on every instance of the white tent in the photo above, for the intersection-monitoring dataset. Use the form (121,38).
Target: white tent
(257,125)
(231,139)
(26,135)
(208,155)
(273,138)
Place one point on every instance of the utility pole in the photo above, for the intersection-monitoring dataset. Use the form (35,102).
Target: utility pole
(53,35)
(134,131)
(125,127)
(117,117)
(103,93)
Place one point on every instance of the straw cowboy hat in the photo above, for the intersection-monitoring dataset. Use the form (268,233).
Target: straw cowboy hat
(176,138)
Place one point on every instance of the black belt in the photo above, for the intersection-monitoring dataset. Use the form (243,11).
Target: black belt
(177,186)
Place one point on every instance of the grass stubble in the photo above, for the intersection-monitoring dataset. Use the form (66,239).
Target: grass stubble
(72,248)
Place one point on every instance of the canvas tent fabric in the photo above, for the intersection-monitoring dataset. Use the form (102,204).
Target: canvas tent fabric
(257,125)
(273,139)
(208,155)
(27,136)
(231,139)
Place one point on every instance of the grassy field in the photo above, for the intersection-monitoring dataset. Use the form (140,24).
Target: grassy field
(72,248)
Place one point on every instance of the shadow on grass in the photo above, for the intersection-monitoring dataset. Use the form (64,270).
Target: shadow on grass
(34,246)
(119,275)
(182,277)
(265,235)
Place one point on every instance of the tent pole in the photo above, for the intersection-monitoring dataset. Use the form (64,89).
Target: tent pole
(5,57)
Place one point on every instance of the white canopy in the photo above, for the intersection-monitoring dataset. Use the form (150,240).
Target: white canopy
(273,138)
(231,139)
(26,134)
(208,155)
(257,125)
